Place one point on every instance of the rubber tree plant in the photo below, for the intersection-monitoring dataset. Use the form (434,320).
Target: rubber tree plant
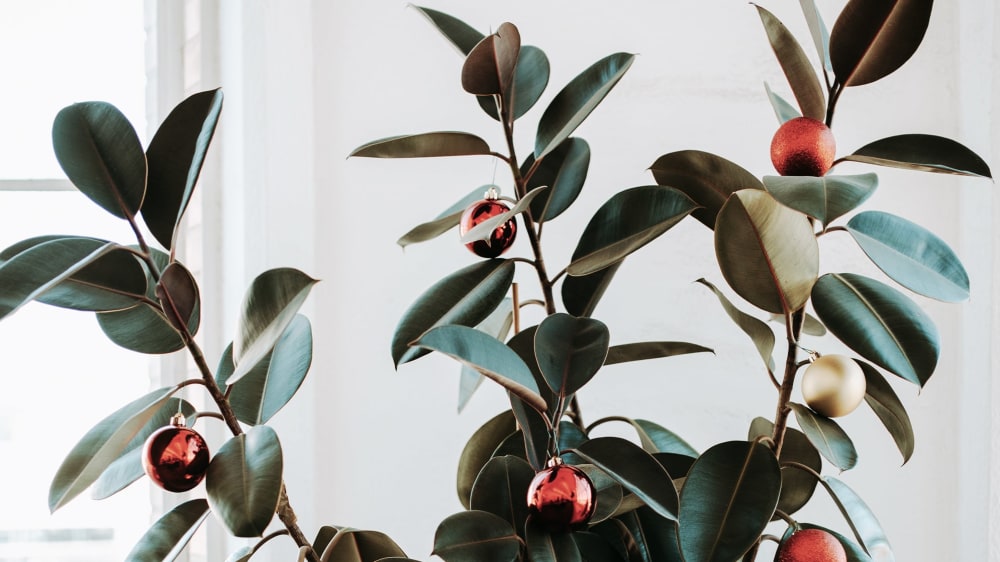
(654,498)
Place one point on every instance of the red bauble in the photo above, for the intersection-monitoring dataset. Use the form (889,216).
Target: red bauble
(175,457)
(561,498)
(811,545)
(803,147)
(501,238)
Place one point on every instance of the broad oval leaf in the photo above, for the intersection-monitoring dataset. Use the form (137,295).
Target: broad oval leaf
(244,481)
(817,28)
(767,252)
(862,521)
(142,328)
(925,153)
(653,437)
(642,351)
(911,255)
(783,110)
(655,537)
(577,100)
(887,406)
(797,486)
(465,297)
(489,66)
(479,449)
(828,438)
(871,40)
(242,554)
(635,469)
(476,536)
(531,76)
(444,222)
(501,488)
(758,330)
(175,156)
(101,154)
(544,546)
(269,306)
(728,499)
(497,324)
(581,294)
(533,438)
(629,220)
(564,170)
(570,351)
(100,446)
(824,198)
(424,145)
(179,297)
(165,540)
(459,33)
(879,323)
(608,492)
(796,66)
(596,548)
(352,545)
(523,343)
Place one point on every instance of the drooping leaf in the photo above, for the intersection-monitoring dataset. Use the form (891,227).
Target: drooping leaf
(476,536)
(442,223)
(531,76)
(165,540)
(862,521)
(101,154)
(424,145)
(501,487)
(489,66)
(879,323)
(635,469)
(485,229)
(642,351)
(707,179)
(629,220)
(581,294)
(100,446)
(497,324)
(820,35)
(655,536)
(479,449)
(353,545)
(794,63)
(523,343)
(544,546)
(564,170)
(810,325)
(653,437)
(827,436)
(570,351)
(461,34)
(269,306)
(178,294)
(175,157)
(797,486)
(783,110)
(533,437)
(854,552)
(887,406)
(871,40)
(824,198)
(465,297)
(925,153)
(760,333)
(244,481)
(574,103)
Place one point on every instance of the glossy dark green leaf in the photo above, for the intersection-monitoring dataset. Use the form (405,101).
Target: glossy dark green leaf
(655,537)
(871,40)
(564,170)
(352,545)
(595,548)
(635,469)
(783,110)
(608,491)
(570,351)
(100,446)
(476,536)
(465,297)
(424,145)
(862,521)
(642,351)
(486,228)
(879,323)
(818,30)
(275,379)
(796,66)
(581,294)
(531,76)
(574,103)
(797,486)
(242,554)
(925,153)
(911,255)
(269,306)
(127,468)
(678,465)
(489,66)
(175,156)
(810,326)
(534,433)
(827,436)
(101,154)
(178,294)
(443,222)
(707,179)
(487,355)
(501,488)
(165,540)
(523,343)
(618,536)
(497,324)
(889,409)
(767,252)
(653,437)
(324,535)
(758,330)
(629,220)
(461,34)
(854,552)
(824,198)
(544,546)
(479,449)
(728,499)
(244,481)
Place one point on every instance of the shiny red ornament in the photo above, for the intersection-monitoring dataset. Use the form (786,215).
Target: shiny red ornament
(501,238)
(561,498)
(803,147)
(175,457)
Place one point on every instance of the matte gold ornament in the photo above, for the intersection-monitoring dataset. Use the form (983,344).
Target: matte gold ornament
(833,385)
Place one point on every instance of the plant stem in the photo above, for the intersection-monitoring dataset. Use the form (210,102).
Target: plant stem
(791,367)
(834,97)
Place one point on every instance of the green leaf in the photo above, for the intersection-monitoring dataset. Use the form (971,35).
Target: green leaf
(810,326)
(925,153)
(465,297)
(479,449)
(574,103)
(794,63)
(565,171)
(488,356)
(783,110)
(533,438)
(244,481)
(707,179)
(178,294)
(820,35)
(165,540)
(498,325)
(828,438)
(476,536)
(424,145)
(728,498)
(100,446)
(544,546)
(635,469)
(242,554)
(653,437)
(442,223)
(175,156)
(871,40)
(854,552)
(824,198)
(581,294)
(101,154)
(501,488)
(655,537)
(489,66)
(608,492)
(642,351)
(531,76)
(269,306)
(351,545)
(629,543)
(629,220)
(911,255)
(767,252)
(887,406)
(879,323)
(570,351)
(485,229)
(797,486)
(859,516)
(461,34)
(758,330)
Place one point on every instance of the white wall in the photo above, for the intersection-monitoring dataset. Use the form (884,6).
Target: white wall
(373,448)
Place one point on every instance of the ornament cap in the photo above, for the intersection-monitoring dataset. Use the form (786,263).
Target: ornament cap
(178,420)
(492,193)
(554,461)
